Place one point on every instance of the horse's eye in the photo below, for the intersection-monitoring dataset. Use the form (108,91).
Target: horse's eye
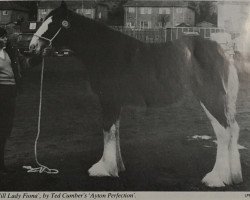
(65,24)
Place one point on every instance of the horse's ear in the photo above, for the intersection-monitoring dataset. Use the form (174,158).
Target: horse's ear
(63,5)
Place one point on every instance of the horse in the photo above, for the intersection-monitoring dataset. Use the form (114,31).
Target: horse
(122,68)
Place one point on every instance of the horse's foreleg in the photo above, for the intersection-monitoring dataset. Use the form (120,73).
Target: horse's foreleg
(107,166)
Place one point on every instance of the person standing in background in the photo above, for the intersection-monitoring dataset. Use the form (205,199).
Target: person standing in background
(10,80)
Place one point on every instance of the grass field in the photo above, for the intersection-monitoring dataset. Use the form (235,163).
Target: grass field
(156,146)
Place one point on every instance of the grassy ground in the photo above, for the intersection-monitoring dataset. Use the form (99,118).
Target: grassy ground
(155,143)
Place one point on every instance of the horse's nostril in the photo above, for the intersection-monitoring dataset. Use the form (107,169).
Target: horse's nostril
(32,47)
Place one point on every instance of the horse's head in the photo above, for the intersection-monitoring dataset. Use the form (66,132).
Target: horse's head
(53,29)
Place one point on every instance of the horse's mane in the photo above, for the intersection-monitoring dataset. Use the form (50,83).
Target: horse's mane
(99,28)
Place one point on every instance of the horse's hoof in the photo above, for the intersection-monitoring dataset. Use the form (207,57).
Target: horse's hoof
(237,178)
(235,167)
(121,168)
(101,169)
(212,179)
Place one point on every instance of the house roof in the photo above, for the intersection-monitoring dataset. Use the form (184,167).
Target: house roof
(205,24)
(156,3)
(8,5)
(71,4)
(246,2)
(109,5)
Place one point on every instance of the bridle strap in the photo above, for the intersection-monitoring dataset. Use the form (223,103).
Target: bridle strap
(47,39)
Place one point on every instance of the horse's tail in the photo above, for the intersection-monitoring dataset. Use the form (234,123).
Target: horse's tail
(212,60)
(232,92)
(216,85)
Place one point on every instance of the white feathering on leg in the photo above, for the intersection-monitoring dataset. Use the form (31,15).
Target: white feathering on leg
(107,166)
(220,175)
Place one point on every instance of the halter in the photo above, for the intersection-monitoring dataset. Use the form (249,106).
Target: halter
(65,24)
(47,39)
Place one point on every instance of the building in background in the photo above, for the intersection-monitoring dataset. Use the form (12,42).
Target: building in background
(12,12)
(158,13)
(83,7)
(205,24)
(111,12)
(103,9)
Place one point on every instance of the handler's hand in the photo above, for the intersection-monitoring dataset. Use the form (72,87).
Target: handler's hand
(47,51)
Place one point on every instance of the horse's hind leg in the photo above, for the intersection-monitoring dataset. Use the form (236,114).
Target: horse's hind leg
(227,168)
(120,163)
(220,175)
(234,156)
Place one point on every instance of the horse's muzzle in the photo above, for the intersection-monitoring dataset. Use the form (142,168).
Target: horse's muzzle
(32,47)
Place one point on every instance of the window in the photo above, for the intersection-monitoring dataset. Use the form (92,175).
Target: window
(78,11)
(160,24)
(5,12)
(44,11)
(131,10)
(149,25)
(146,10)
(99,15)
(83,11)
(145,24)
(164,10)
(179,10)
(88,11)
(130,24)
(32,26)
(142,11)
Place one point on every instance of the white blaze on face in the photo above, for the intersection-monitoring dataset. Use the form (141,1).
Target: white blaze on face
(43,28)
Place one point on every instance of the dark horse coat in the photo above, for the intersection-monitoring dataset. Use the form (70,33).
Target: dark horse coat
(122,70)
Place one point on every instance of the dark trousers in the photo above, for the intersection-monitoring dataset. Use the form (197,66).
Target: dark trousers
(7,110)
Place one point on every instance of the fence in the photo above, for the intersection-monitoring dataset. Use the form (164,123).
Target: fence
(168,34)
(12,28)
(147,35)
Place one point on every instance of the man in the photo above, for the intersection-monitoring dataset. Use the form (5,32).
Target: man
(9,82)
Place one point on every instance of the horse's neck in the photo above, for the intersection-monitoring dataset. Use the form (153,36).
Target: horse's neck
(96,44)
(91,42)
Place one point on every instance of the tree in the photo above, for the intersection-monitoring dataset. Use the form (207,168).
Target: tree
(163,19)
(207,12)
(116,12)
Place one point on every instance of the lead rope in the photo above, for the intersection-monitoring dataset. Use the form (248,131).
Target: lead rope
(41,168)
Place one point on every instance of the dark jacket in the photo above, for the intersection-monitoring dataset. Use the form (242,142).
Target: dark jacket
(15,64)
